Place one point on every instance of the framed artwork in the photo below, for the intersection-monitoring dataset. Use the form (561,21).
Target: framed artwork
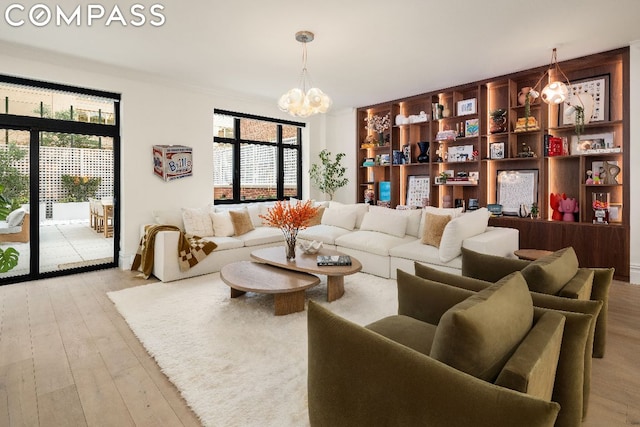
(417,190)
(516,187)
(467,106)
(474,176)
(472,127)
(460,153)
(615,212)
(496,150)
(598,88)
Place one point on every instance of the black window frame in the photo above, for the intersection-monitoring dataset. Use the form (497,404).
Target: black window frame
(237,141)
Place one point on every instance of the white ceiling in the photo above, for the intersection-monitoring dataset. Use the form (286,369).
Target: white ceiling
(364,52)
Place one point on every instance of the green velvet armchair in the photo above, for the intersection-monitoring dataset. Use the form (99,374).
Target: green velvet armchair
(555,274)
(451,357)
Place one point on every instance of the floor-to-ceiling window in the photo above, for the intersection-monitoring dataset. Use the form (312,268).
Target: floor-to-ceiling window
(59,188)
(255,158)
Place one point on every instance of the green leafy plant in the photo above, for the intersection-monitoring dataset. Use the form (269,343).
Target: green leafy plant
(534,212)
(80,188)
(8,259)
(328,176)
(7,204)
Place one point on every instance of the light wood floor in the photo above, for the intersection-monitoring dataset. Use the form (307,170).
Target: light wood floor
(68,358)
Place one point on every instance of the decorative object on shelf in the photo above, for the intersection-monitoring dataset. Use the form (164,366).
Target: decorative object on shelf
(398,157)
(310,248)
(554,203)
(473,205)
(328,176)
(472,127)
(525,124)
(534,211)
(496,150)
(417,190)
(290,218)
(402,120)
(498,121)
(494,209)
(459,203)
(467,106)
(569,207)
(384,159)
(581,107)
(446,201)
(437,110)
(369,161)
(446,112)
(423,157)
(384,192)
(442,178)
(298,101)
(406,153)
(460,153)
(446,135)
(598,89)
(523,212)
(589,180)
(526,151)
(378,124)
(526,97)
(516,187)
(369,195)
(605,172)
(474,177)
(440,154)
(615,212)
(600,205)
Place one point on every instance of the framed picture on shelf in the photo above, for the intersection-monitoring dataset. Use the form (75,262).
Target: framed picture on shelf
(460,153)
(474,176)
(467,106)
(598,88)
(417,190)
(472,128)
(496,150)
(516,187)
(615,212)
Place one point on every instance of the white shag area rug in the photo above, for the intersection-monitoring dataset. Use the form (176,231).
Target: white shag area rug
(234,362)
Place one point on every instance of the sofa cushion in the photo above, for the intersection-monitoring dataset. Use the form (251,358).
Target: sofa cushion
(385,223)
(241,221)
(15,217)
(478,335)
(550,273)
(407,331)
(326,234)
(343,218)
(222,225)
(532,368)
(359,208)
(224,243)
(468,225)
(489,267)
(456,280)
(433,231)
(414,216)
(580,285)
(317,218)
(371,241)
(197,222)
(261,236)
(169,217)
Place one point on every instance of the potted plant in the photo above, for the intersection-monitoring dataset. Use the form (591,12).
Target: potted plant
(498,120)
(534,212)
(329,175)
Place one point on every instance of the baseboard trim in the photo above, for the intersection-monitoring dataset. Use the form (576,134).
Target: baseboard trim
(634,274)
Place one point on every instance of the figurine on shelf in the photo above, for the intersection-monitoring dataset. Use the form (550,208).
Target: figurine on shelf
(589,180)
(569,207)
(609,172)
(554,202)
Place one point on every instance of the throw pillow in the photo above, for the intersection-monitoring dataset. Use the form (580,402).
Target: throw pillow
(478,335)
(222,225)
(359,208)
(197,222)
(241,221)
(489,267)
(550,273)
(317,218)
(452,212)
(383,223)
(15,217)
(468,225)
(433,233)
(414,217)
(343,218)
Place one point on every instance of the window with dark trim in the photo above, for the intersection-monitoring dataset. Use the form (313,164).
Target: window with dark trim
(255,158)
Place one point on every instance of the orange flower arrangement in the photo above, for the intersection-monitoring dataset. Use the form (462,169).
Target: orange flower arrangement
(290,219)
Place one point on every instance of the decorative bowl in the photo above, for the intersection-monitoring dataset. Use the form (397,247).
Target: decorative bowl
(310,247)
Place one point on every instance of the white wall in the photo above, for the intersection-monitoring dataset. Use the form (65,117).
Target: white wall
(152,112)
(341,137)
(634,161)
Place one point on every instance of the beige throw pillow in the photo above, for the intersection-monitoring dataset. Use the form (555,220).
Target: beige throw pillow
(197,222)
(241,221)
(434,227)
(317,218)
(222,225)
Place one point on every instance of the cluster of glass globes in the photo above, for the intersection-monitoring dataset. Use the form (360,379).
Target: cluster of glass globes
(300,104)
(555,93)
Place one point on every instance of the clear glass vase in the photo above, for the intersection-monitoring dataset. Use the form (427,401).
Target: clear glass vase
(290,247)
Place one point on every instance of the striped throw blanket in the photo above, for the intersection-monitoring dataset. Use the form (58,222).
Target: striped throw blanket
(191,249)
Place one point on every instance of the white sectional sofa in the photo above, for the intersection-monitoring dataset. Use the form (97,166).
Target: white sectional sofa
(381,239)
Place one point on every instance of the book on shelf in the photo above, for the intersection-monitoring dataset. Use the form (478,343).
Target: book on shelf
(338,260)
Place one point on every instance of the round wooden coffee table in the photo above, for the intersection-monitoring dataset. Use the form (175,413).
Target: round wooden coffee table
(308,263)
(287,286)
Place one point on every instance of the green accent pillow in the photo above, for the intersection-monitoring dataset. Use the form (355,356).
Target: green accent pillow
(550,273)
(478,335)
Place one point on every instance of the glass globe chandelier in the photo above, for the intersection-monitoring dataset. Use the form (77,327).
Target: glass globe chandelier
(556,92)
(299,101)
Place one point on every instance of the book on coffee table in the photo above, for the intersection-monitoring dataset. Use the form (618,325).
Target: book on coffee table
(334,260)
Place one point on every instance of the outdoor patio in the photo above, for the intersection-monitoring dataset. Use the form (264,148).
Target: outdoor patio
(64,245)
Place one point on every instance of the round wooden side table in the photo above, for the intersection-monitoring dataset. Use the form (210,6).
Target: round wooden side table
(531,254)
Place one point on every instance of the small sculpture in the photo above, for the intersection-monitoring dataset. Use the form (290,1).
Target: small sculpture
(589,180)
(569,207)
(554,202)
(609,173)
